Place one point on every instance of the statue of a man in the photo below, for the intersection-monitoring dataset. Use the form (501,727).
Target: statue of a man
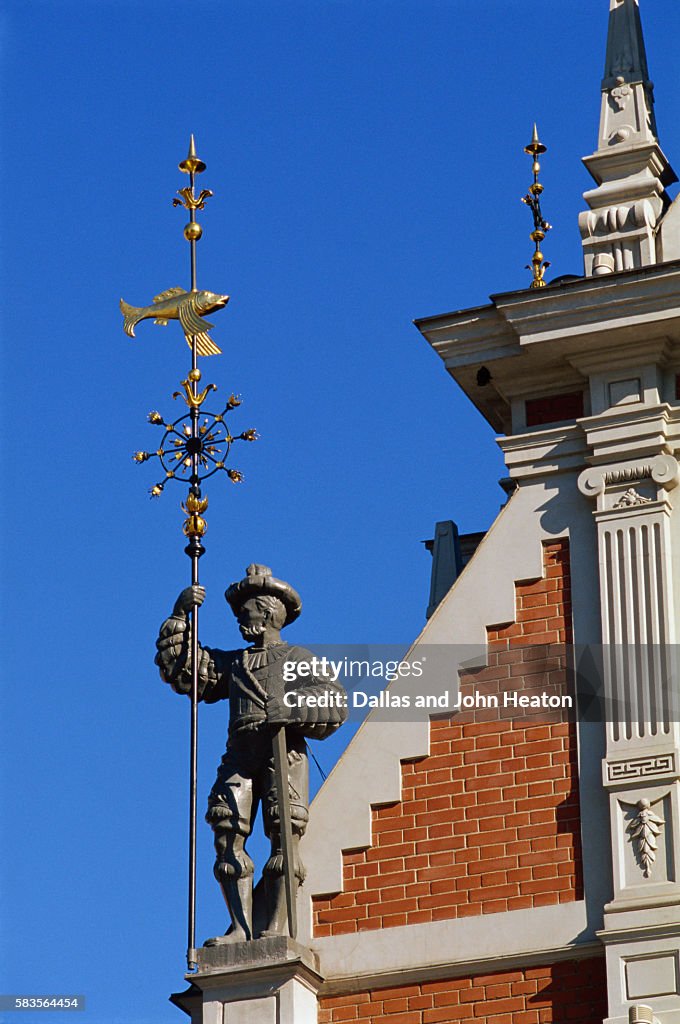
(252,680)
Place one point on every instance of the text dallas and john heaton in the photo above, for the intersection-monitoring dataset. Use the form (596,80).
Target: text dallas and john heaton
(294,671)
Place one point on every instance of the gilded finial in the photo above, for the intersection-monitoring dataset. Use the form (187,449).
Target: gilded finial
(535,147)
(538,265)
(192,164)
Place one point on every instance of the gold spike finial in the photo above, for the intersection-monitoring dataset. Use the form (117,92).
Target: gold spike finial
(192,164)
(535,147)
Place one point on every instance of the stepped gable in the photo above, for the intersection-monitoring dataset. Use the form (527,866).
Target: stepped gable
(489,820)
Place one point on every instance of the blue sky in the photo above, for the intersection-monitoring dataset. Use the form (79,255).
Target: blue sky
(367,165)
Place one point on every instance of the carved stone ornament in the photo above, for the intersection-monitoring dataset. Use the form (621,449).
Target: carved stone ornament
(632,498)
(623,217)
(644,831)
(620,94)
(621,134)
(663,470)
(641,767)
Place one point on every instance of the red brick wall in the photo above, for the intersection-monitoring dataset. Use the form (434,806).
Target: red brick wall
(572,992)
(489,821)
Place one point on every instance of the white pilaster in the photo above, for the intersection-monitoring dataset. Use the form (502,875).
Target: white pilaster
(641,771)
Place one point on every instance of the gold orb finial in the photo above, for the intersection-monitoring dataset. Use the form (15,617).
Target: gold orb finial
(192,164)
(193,231)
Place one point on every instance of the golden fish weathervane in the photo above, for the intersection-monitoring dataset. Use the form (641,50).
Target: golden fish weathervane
(175,303)
(192,448)
(178,304)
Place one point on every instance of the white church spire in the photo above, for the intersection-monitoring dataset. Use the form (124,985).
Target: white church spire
(621,229)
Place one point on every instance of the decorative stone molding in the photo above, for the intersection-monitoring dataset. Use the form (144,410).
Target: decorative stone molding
(621,226)
(630,498)
(645,850)
(634,768)
(620,95)
(611,220)
(663,470)
(644,830)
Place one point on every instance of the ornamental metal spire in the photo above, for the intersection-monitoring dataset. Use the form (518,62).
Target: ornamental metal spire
(192,448)
(538,265)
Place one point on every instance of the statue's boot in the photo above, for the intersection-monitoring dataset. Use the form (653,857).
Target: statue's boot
(275,888)
(235,876)
(238,895)
(277,910)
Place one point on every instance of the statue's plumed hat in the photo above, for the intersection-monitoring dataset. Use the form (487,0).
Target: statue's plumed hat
(258,582)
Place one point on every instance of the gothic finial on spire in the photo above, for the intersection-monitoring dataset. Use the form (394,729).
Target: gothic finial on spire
(620,231)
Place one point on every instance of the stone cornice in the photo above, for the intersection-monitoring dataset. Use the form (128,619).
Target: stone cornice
(641,433)
(529,339)
(572,308)
(658,349)
(597,309)
(641,156)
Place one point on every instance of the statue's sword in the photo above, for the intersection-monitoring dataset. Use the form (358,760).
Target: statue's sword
(283,799)
(286,824)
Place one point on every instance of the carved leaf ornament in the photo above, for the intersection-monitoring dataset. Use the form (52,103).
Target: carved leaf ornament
(644,831)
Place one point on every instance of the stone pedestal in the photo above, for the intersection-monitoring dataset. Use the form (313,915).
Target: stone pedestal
(267,981)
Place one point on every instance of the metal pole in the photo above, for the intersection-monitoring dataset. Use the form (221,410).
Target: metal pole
(193,757)
(195,551)
(200,449)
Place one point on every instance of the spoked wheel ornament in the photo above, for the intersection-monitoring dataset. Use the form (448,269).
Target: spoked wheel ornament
(194,456)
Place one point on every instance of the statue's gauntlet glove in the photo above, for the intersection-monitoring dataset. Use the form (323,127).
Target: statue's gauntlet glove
(173,658)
